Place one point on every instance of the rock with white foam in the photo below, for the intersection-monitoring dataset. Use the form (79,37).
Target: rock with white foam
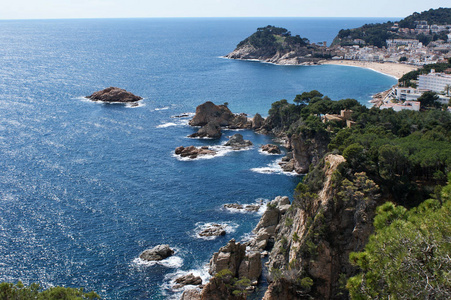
(188,279)
(213,230)
(157,253)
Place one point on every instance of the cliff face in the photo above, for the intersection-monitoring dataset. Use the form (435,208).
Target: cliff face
(307,151)
(310,257)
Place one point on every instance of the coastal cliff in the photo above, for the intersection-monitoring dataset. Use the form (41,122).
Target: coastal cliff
(310,257)
(276,45)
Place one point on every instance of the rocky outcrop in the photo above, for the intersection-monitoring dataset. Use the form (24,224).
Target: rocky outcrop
(313,240)
(114,94)
(257,121)
(210,130)
(240,121)
(305,151)
(271,149)
(266,227)
(238,142)
(193,152)
(213,230)
(234,258)
(210,112)
(157,253)
(188,279)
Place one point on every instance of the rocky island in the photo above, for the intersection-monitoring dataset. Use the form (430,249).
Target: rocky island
(276,45)
(114,94)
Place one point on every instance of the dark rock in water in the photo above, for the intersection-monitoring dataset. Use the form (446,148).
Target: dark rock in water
(208,112)
(213,230)
(210,130)
(270,148)
(189,279)
(184,115)
(159,252)
(114,94)
(193,152)
(233,205)
(237,142)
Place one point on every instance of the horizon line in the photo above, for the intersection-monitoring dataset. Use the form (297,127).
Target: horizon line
(233,17)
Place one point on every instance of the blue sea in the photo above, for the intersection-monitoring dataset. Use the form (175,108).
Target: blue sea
(86,187)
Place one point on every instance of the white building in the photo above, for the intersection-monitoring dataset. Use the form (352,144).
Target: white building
(403,42)
(407,105)
(434,81)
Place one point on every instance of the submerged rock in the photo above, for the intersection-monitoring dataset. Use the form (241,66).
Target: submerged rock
(159,252)
(114,94)
(237,142)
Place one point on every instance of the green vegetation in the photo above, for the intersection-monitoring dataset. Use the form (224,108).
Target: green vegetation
(398,156)
(274,39)
(9,291)
(377,34)
(408,255)
(439,16)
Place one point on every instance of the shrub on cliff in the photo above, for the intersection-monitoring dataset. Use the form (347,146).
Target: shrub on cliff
(407,257)
(9,291)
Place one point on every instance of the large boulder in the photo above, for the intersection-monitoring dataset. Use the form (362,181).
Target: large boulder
(114,94)
(210,130)
(209,112)
(159,252)
(237,142)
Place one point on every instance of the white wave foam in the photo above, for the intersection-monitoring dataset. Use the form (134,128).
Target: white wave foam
(229,227)
(126,104)
(168,289)
(260,202)
(220,151)
(273,168)
(170,262)
(169,124)
(162,108)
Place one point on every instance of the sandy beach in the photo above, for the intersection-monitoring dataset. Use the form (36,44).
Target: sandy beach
(392,69)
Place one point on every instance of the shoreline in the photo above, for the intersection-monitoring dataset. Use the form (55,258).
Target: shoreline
(395,70)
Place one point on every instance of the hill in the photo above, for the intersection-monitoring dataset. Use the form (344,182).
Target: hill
(416,26)
(277,45)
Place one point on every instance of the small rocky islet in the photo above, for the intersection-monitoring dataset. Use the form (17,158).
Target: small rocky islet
(114,94)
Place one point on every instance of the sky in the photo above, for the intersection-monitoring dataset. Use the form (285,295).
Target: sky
(63,9)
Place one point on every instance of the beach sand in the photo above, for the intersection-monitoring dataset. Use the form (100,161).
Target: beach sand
(392,69)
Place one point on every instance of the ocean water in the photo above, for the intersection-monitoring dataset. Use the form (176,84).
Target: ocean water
(85,187)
